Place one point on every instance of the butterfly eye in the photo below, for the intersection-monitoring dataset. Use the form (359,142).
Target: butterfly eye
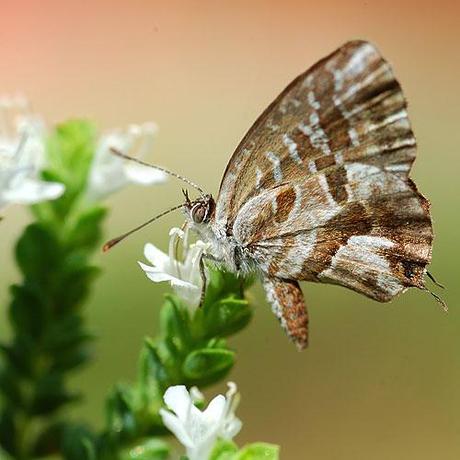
(199,213)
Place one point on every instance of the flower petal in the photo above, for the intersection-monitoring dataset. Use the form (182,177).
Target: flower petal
(158,275)
(216,409)
(202,431)
(143,175)
(178,399)
(156,256)
(110,173)
(176,426)
(187,288)
(30,191)
(202,449)
(188,292)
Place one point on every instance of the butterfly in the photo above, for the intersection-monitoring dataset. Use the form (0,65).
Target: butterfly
(319,190)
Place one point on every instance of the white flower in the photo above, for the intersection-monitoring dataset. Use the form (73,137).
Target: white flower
(109,173)
(183,275)
(22,155)
(199,430)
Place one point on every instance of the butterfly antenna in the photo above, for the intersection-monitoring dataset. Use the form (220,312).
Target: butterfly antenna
(110,244)
(438,299)
(433,279)
(187,198)
(159,168)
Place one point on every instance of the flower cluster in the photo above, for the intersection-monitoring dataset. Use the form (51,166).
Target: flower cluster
(22,155)
(183,273)
(109,173)
(198,431)
(23,158)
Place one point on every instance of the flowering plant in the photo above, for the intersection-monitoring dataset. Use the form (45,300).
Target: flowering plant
(64,174)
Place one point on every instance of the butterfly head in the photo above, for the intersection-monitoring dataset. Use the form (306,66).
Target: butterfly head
(201,210)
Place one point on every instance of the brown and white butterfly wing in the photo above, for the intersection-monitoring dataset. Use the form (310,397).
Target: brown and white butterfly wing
(318,189)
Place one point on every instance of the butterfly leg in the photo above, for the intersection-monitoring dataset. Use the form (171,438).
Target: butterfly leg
(288,304)
(204,279)
(203,273)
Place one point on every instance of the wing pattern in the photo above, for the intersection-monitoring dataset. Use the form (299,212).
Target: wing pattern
(318,189)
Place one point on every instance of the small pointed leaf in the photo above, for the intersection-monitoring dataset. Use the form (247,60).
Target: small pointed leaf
(207,364)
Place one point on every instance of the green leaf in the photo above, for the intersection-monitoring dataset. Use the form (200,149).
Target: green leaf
(121,412)
(78,442)
(258,451)
(149,449)
(9,387)
(86,231)
(48,440)
(175,322)
(159,370)
(19,356)
(74,286)
(66,334)
(38,248)
(69,360)
(90,449)
(222,284)
(8,431)
(224,450)
(28,311)
(226,317)
(208,364)
(70,151)
(50,395)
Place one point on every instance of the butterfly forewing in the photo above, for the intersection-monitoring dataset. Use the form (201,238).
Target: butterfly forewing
(347,108)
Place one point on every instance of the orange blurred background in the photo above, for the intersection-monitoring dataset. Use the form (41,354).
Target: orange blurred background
(378,381)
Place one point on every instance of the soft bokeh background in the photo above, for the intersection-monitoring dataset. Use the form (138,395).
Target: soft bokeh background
(378,381)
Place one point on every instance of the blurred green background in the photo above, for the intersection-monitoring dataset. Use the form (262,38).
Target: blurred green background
(379,381)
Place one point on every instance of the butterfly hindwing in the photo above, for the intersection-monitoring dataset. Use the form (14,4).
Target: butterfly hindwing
(378,242)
